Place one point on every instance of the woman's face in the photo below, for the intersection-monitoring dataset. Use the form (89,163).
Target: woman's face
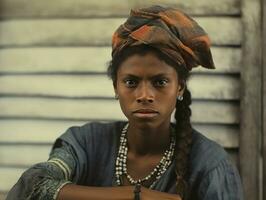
(147,88)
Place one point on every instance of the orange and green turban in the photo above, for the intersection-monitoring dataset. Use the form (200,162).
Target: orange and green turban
(171,31)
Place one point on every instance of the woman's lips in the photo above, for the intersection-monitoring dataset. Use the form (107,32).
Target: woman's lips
(145,113)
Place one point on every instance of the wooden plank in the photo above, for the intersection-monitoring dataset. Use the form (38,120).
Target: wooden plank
(91,59)
(226,136)
(31,154)
(264,102)
(33,131)
(251,105)
(217,87)
(214,87)
(92,8)
(83,32)
(46,131)
(3,196)
(79,86)
(54,60)
(102,109)
(77,109)
(215,112)
(9,177)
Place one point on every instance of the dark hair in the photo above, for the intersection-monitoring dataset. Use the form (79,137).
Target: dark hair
(182,113)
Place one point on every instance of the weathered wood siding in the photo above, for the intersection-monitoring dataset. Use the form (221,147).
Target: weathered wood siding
(251,100)
(264,101)
(53,57)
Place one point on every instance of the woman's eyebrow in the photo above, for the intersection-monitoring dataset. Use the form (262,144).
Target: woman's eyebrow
(131,76)
(160,75)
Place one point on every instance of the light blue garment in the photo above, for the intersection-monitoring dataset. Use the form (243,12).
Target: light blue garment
(90,153)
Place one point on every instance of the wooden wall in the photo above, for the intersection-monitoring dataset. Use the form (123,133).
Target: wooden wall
(53,57)
(264,98)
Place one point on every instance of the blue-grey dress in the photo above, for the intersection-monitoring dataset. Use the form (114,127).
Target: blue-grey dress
(86,156)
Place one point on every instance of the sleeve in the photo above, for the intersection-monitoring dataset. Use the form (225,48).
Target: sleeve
(44,180)
(221,183)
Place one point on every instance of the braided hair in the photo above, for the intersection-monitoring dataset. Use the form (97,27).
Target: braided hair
(182,113)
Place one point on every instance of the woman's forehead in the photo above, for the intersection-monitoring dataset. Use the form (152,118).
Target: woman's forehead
(145,72)
(147,61)
(143,63)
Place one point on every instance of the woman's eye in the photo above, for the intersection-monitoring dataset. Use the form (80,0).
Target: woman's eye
(130,83)
(161,82)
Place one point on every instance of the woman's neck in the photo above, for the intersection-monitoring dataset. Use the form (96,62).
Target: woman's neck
(144,140)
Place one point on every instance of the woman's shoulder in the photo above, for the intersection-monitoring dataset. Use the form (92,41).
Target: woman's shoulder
(93,132)
(102,128)
(205,154)
(212,173)
(97,127)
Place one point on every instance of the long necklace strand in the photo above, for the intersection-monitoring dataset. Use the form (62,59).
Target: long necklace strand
(158,171)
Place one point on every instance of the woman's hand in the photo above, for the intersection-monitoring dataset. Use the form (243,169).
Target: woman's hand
(148,194)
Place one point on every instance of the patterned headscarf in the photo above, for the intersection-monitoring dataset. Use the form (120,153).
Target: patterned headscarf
(171,31)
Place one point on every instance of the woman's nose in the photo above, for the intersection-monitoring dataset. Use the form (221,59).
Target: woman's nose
(145,94)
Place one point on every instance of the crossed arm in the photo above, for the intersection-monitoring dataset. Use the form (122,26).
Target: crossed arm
(54,180)
(71,192)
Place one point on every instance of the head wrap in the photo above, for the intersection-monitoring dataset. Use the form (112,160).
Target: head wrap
(171,31)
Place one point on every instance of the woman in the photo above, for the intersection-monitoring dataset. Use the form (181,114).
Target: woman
(147,157)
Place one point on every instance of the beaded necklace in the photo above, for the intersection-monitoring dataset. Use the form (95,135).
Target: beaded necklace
(158,171)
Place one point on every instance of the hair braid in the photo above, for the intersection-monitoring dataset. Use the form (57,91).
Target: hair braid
(184,140)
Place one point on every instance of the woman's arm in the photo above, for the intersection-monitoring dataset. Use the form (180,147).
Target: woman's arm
(42,181)
(72,192)
(46,181)
(54,180)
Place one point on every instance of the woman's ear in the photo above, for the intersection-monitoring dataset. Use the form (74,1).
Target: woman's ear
(181,88)
(115,90)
